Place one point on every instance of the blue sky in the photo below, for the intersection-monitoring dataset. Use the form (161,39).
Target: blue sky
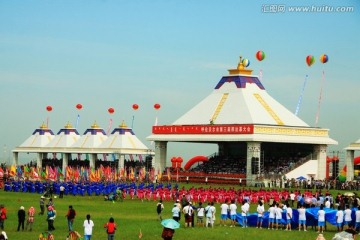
(116,53)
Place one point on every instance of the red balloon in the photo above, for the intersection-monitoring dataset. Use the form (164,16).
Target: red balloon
(111,110)
(157,106)
(49,108)
(79,106)
(135,106)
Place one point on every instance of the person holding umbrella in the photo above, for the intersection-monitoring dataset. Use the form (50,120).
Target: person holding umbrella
(169,228)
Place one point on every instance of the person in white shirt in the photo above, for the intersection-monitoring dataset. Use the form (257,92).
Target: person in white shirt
(327,203)
(260,211)
(271,216)
(347,215)
(289,215)
(339,219)
(233,208)
(292,198)
(210,211)
(244,212)
(200,215)
(224,213)
(88,227)
(188,213)
(176,212)
(302,217)
(278,215)
(357,219)
(321,219)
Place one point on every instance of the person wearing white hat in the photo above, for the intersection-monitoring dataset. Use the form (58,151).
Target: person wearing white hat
(21,218)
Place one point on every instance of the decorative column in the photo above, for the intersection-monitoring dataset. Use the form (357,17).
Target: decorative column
(65,162)
(16,158)
(253,151)
(160,155)
(320,153)
(93,158)
(349,165)
(121,161)
(39,160)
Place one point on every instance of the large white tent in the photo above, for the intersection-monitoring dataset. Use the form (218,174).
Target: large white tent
(240,110)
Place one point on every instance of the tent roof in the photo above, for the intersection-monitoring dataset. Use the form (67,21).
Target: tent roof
(124,138)
(240,101)
(66,137)
(40,137)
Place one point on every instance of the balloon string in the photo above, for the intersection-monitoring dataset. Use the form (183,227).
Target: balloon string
(320,98)
(47,122)
(261,74)
(132,122)
(301,96)
(77,121)
(109,127)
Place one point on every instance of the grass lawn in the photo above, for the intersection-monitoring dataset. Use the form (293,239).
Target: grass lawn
(130,216)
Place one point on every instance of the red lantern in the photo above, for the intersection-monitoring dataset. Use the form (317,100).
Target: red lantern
(135,106)
(79,106)
(49,108)
(111,110)
(157,106)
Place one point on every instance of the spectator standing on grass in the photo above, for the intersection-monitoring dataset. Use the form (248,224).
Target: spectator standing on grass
(302,217)
(233,209)
(159,209)
(224,210)
(21,218)
(260,213)
(88,227)
(51,215)
(30,220)
(339,219)
(110,228)
(3,216)
(42,205)
(200,215)
(357,219)
(188,213)
(209,215)
(176,212)
(289,216)
(62,189)
(347,216)
(272,216)
(321,219)
(70,217)
(244,212)
(278,215)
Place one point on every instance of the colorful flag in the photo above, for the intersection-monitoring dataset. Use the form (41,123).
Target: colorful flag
(12,170)
(1,172)
(27,171)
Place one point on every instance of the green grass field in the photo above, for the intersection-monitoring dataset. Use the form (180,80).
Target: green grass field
(130,216)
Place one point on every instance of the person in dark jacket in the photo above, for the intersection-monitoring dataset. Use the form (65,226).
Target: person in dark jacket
(21,218)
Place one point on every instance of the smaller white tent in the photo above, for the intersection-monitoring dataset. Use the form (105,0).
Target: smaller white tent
(40,138)
(124,139)
(92,138)
(65,138)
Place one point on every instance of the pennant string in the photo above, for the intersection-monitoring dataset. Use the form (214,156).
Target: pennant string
(301,96)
